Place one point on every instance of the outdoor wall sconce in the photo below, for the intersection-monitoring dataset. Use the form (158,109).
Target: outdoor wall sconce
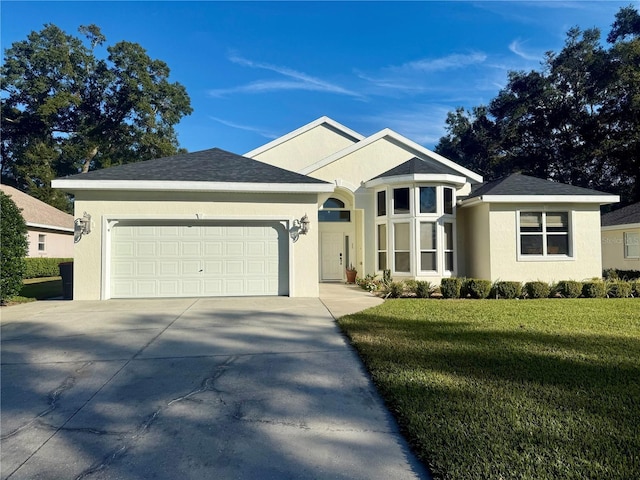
(81,226)
(300,227)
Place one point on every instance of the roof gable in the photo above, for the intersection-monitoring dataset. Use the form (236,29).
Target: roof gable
(410,146)
(519,187)
(624,216)
(36,213)
(325,121)
(206,170)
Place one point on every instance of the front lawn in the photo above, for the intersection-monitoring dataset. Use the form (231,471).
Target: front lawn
(510,389)
(42,288)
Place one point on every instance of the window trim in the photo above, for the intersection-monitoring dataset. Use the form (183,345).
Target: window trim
(626,245)
(546,257)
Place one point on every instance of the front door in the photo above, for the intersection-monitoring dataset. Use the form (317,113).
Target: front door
(332,246)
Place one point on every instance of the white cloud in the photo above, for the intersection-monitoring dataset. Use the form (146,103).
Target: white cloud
(517,47)
(444,63)
(301,81)
(260,131)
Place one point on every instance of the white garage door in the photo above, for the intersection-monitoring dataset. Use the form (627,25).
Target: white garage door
(199,260)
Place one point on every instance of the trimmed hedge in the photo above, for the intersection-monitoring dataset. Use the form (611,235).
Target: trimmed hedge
(537,289)
(38,267)
(505,289)
(569,288)
(450,287)
(619,289)
(476,288)
(13,248)
(595,289)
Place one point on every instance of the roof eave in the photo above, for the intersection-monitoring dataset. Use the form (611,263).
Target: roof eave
(417,177)
(599,199)
(189,186)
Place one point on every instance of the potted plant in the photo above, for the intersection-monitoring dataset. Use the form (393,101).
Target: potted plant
(351,274)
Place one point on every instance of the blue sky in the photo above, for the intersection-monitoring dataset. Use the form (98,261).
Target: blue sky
(257,70)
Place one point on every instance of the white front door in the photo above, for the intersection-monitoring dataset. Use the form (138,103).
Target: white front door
(333,256)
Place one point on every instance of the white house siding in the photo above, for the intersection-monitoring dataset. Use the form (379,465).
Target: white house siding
(92,252)
(585,262)
(613,248)
(474,259)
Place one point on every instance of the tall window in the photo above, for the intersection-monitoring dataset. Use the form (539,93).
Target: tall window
(401,203)
(41,242)
(428,247)
(544,233)
(447,200)
(448,246)
(428,203)
(631,245)
(402,247)
(382,203)
(382,246)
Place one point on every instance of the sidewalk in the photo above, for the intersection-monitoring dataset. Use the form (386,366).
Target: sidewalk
(343,299)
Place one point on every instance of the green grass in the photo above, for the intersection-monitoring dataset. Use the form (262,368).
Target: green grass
(42,288)
(511,389)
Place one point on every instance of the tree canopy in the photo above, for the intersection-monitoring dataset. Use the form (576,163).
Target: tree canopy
(575,121)
(66,111)
(13,248)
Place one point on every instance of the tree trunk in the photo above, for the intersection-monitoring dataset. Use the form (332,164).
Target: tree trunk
(87,161)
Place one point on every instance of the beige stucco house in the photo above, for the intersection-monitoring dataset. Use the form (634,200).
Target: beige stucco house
(621,238)
(215,223)
(49,230)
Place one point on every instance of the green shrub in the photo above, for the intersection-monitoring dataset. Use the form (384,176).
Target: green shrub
(395,289)
(14,247)
(616,274)
(619,289)
(569,288)
(410,285)
(450,287)
(423,289)
(635,288)
(537,289)
(44,267)
(594,289)
(476,288)
(506,289)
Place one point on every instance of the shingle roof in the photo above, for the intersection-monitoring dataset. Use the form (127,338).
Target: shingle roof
(36,212)
(213,165)
(417,166)
(626,215)
(518,184)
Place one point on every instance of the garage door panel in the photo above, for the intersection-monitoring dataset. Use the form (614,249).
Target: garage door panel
(199,260)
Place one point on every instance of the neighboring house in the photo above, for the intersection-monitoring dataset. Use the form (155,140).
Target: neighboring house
(214,223)
(621,238)
(50,231)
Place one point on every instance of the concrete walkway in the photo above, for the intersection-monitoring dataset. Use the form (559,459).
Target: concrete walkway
(341,299)
(242,388)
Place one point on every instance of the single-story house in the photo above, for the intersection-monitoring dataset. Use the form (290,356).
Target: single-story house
(215,223)
(49,230)
(621,238)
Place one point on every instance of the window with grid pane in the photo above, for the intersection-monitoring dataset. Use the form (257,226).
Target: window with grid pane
(544,233)
(631,245)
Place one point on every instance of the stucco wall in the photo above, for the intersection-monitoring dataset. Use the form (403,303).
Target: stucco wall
(474,253)
(57,244)
(90,269)
(305,149)
(585,263)
(613,248)
(365,163)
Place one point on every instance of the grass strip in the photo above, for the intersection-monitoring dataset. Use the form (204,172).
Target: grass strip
(510,389)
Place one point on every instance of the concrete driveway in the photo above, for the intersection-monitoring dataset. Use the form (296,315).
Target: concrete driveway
(242,388)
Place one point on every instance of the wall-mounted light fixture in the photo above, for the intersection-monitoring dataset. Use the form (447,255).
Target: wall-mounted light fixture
(81,226)
(300,227)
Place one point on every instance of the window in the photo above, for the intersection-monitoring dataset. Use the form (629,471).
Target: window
(333,211)
(41,242)
(428,203)
(382,203)
(447,201)
(401,201)
(448,246)
(402,247)
(631,245)
(382,246)
(544,233)
(428,247)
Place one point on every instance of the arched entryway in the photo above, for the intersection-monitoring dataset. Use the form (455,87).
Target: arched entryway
(336,220)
